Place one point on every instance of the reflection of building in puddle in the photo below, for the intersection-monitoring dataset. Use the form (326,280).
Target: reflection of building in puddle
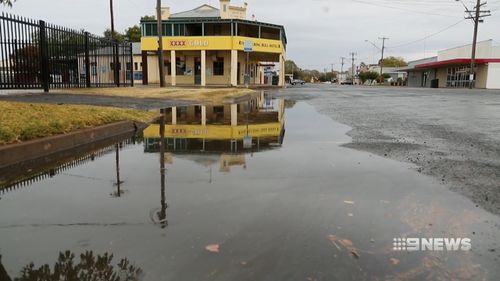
(195,132)
(229,160)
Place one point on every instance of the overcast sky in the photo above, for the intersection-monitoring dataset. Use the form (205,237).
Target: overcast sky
(319,31)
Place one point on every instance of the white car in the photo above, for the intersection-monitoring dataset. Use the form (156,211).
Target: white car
(297,82)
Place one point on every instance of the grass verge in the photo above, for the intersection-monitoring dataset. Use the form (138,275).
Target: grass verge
(184,94)
(24,121)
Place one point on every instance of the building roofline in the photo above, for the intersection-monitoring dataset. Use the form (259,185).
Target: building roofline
(455,62)
(466,45)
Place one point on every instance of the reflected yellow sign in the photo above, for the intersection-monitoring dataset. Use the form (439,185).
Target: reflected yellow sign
(214,132)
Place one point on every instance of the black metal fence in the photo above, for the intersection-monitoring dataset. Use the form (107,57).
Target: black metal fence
(38,55)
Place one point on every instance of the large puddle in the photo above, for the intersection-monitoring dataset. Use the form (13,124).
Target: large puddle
(295,206)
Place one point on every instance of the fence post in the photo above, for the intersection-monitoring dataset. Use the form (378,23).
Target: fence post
(145,78)
(131,65)
(116,63)
(44,57)
(87,61)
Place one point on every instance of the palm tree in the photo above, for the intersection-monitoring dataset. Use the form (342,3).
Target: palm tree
(7,2)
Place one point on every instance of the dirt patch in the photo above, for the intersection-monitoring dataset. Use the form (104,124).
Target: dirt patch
(182,94)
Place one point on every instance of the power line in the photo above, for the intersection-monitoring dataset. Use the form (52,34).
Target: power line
(426,37)
(402,9)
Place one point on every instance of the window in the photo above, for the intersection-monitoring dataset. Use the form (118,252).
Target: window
(129,66)
(179,30)
(225,8)
(458,77)
(180,66)
(219,67)
(151,29)
(136,66)
(167,29)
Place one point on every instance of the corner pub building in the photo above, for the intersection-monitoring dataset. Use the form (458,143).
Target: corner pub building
(206,46)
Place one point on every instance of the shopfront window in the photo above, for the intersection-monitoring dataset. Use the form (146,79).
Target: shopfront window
(458,77)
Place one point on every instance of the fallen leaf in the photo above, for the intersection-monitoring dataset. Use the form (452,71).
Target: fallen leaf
(214,248)
(349,202)
(333,239)
(354,253)
(346,243)
(394,261)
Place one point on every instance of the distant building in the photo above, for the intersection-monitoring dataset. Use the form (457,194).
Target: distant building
(206,46)
(451,68)
(394,72)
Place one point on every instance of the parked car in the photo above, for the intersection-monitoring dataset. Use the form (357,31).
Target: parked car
(297,82)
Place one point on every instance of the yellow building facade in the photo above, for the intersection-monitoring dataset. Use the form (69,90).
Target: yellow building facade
(209,46)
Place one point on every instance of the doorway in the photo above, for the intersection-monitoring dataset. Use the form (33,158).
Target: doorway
(238,73)
(197,71)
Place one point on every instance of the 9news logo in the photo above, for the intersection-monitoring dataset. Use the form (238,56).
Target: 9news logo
(432,244)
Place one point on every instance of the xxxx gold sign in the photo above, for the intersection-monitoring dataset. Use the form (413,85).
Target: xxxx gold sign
(212,43)
(214,132)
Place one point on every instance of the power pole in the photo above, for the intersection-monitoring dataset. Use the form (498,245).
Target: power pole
(353,59)
(477,16)
(116,62)
(382,59)
(159,25)
(342,68)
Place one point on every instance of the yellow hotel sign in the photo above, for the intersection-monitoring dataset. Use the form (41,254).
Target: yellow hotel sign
(198,43)
(214,132)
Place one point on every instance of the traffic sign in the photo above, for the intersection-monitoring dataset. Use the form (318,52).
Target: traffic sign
(248,46)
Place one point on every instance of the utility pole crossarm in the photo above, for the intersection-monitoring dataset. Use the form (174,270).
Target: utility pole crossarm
(476,15)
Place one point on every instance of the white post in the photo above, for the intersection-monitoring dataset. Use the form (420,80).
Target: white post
(234,115)
(203,68)
(282,71)
(234,68)
(203,115)
(174,115)
(173,68)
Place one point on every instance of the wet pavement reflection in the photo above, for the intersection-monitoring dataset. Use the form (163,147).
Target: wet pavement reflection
(224,192)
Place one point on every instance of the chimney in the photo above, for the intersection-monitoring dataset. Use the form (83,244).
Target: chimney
(224,8)
(165,13)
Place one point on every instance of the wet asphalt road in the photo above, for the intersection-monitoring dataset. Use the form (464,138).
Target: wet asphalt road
(450,134)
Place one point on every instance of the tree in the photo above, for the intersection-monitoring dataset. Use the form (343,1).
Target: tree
(393,62)
(290,67)
(7,2)
(368,75)
(133,34)
(90,267)
(120,38)
(148,18)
